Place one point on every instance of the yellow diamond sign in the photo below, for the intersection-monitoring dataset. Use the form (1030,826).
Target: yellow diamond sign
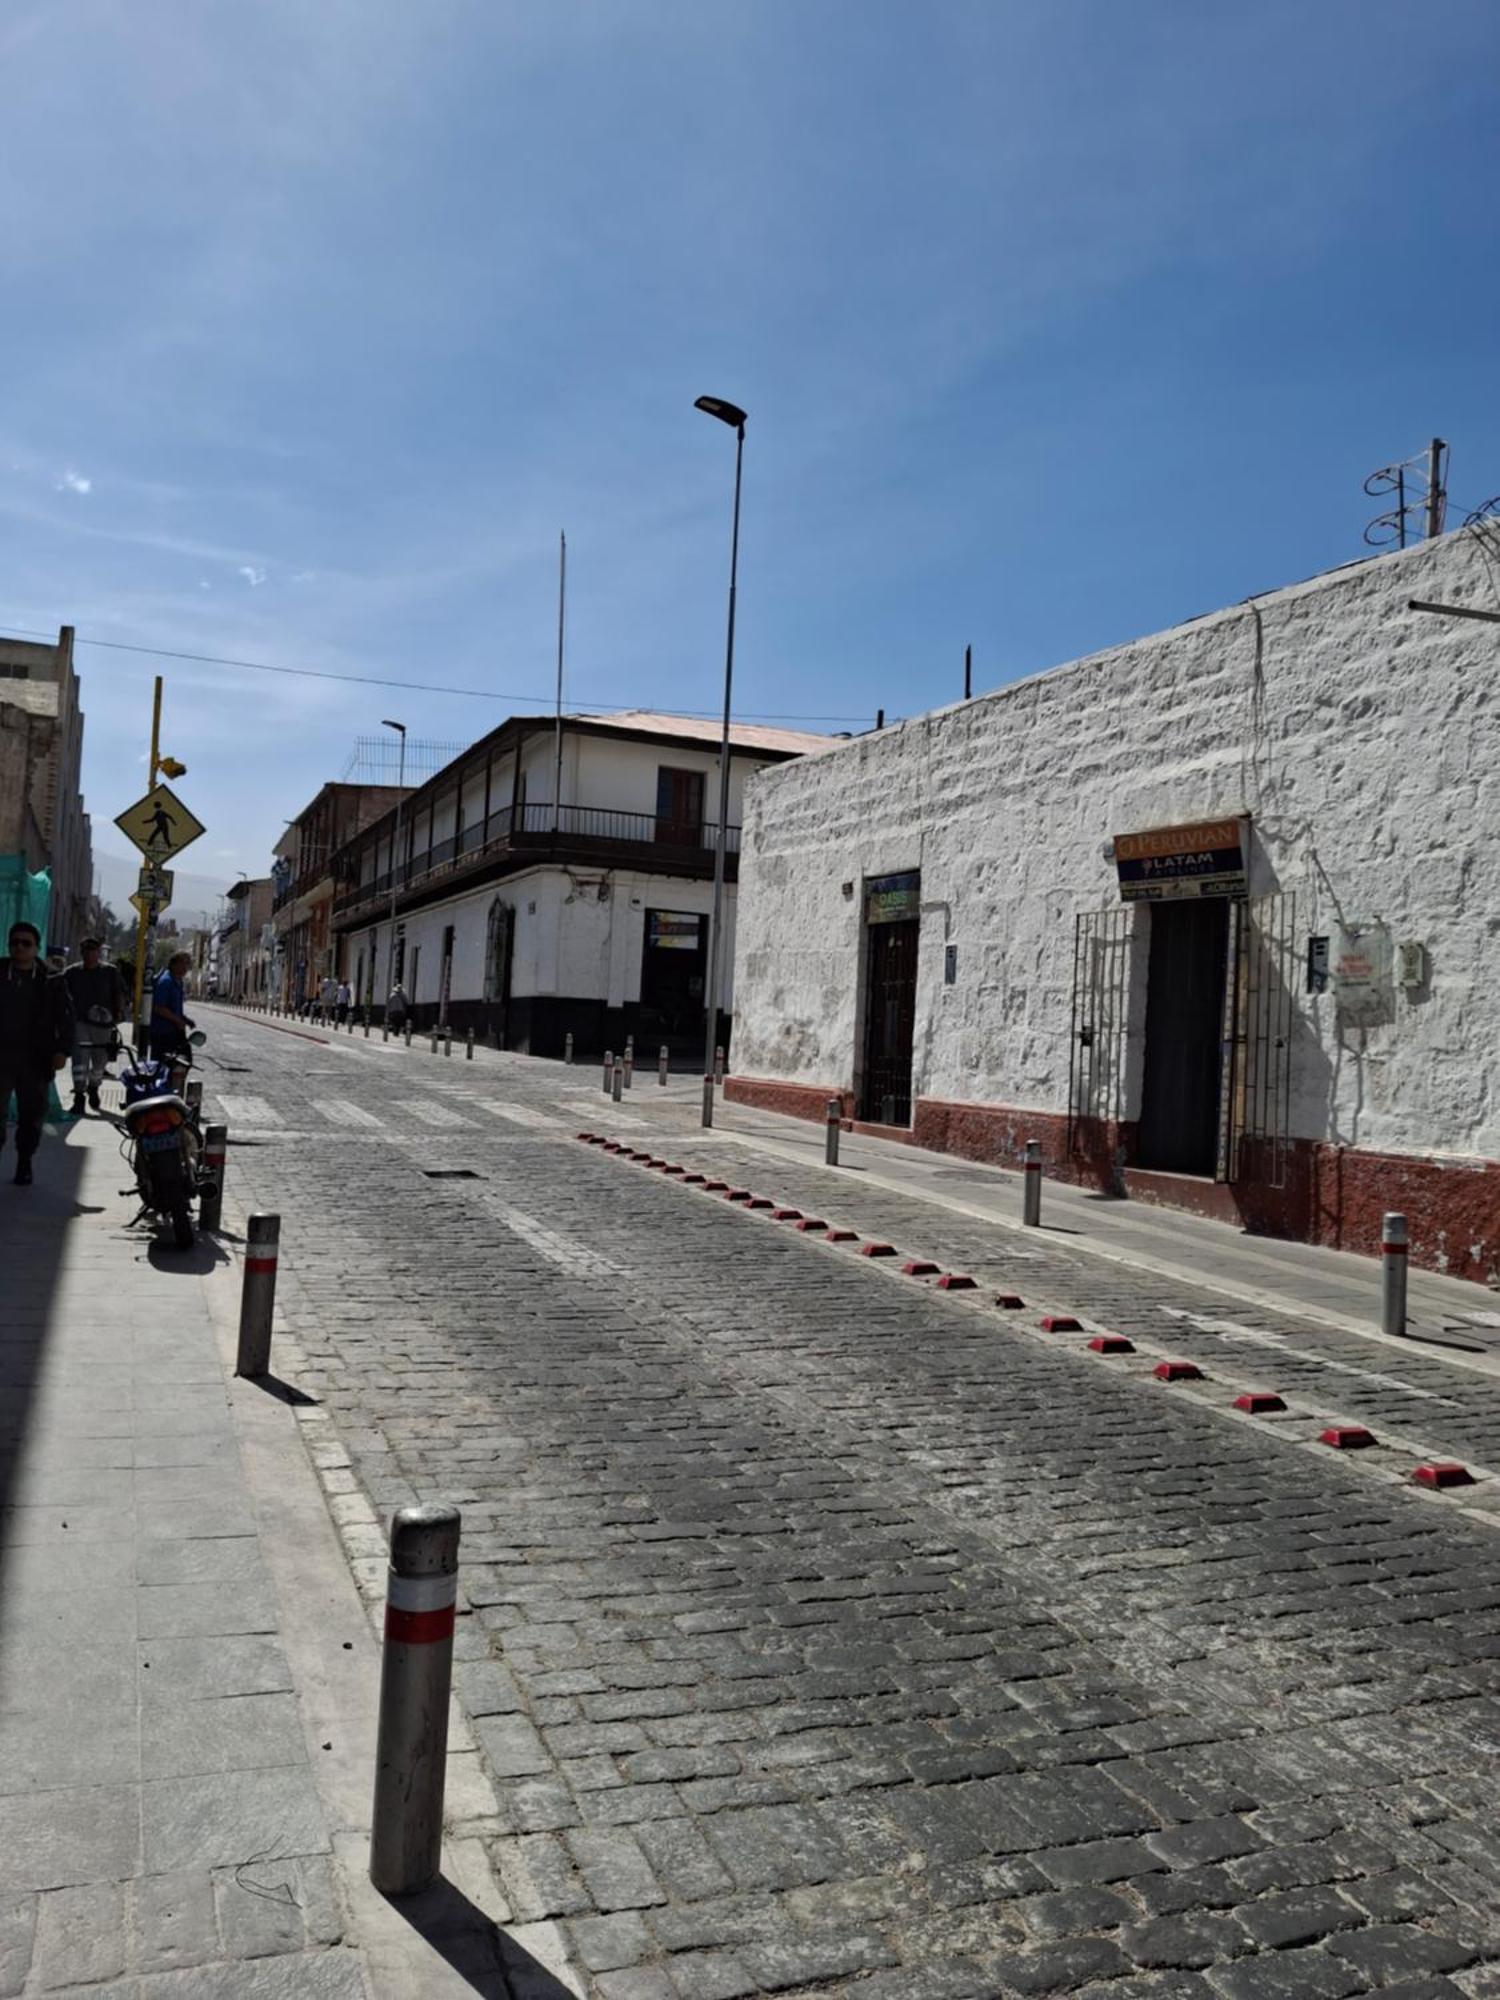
(160,825)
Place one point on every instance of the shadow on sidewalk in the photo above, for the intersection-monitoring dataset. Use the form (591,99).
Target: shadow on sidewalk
(205,1255)
(476,1948)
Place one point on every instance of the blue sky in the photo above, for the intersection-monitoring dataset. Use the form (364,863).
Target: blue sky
(1057,322)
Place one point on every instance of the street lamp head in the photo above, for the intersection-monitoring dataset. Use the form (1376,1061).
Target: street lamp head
(386,723)
(727,413)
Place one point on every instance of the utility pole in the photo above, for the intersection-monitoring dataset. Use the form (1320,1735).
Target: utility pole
(968,673)
(145,924)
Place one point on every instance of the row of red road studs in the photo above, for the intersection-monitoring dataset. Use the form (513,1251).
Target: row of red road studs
(1437,1475)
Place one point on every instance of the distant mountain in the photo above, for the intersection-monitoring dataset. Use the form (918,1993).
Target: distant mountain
(195,898)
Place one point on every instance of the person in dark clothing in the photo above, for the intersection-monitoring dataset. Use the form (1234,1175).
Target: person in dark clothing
(100,1002)
(169,1022)
(36,1035)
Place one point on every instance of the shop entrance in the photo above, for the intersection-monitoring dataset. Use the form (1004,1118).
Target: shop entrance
(672,973)
(891,926)
(1180,1087)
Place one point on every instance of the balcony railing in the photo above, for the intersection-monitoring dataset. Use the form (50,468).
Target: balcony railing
(539,826)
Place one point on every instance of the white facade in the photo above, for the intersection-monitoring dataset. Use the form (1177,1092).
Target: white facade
(1361,738)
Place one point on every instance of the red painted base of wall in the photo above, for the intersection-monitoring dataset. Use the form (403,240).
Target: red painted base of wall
(1333,1195)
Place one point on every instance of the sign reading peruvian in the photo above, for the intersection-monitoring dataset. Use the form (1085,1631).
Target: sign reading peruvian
(1204,859)
(159,824)
(1363,990)
(893,899)
(672,930)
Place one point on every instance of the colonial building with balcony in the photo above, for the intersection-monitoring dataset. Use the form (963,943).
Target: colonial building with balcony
(303,884)
(555,880)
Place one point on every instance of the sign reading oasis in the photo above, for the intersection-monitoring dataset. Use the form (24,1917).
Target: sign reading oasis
(1205,859)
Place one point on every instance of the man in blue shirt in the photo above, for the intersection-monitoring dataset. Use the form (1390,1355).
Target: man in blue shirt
(169,1021)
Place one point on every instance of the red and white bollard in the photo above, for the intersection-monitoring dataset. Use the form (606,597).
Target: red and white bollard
(258,1295)
(1031,1192)
(416,1679)
(1393,1247)
(833,1122)
(661,1067)
(211,1200)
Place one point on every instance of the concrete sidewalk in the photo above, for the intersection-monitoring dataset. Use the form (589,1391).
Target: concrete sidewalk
(161,1832)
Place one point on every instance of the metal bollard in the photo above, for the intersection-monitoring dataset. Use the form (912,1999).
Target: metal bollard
(447,1041)
(416,1681)
(385,1030)
(193,1096)
(1031,1194)
(568,1047)
(469,1046)
(408,1034)
(661,1067)
(1393,1245)
(718,1064)
(258,1295)
(367,1024)
(629,1064)
(433,1050)
(708,1099)
(609,1068)
(617,1079)
(834,1116)
(211,1200)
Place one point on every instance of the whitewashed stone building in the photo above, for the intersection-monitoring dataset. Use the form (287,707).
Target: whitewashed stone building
(550,884)
(1215,915)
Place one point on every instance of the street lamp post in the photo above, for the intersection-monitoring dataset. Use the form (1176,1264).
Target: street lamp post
(400,729)
(731,414)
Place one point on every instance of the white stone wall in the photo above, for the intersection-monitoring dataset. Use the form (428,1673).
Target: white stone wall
(1364,739)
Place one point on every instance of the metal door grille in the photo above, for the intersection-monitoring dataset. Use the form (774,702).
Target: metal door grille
(1262,1096)
(1098,1024)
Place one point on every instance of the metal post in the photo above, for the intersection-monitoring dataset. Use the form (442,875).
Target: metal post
(716,953)
(1435,493)
(211,1200)
(385,1030)
(433,1049)
(258,1295)
(718,1065)
(629,1065)
(367,1023)
(194,1095)
(1031,1196)
(408,1034)
(609,1068)
(469,1046)
(834,1115)
(661,1067)
(568,1047)
(617,1080)
(1393,1243)
(416,1680)
(708,1099)
(447,1041)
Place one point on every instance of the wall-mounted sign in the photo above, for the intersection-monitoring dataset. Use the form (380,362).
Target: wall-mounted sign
(950,964)
(672,930)
(1362,985)
(893,899)
(1204,859)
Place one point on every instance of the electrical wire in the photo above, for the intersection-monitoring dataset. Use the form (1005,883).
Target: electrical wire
(421,687)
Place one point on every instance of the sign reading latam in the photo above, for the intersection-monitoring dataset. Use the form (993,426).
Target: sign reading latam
(1205,859)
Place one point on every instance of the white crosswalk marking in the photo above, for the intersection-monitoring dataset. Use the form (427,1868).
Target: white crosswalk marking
(250,1111)
(339,1111)
(516,1114)
(425,1112)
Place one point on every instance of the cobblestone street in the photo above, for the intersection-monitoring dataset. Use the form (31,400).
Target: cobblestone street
(831,1633)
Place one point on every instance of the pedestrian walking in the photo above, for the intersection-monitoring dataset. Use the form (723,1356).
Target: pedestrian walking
(169,1018)
(343,1001)
(36,1038)
(98,997)
(328,999)
(397,1007)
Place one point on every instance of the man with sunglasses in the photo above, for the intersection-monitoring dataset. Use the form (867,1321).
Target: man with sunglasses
(36,1036)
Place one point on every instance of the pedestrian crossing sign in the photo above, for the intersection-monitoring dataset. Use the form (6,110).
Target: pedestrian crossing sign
(160,825)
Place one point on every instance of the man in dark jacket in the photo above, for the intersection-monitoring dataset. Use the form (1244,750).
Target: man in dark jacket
(99,1001)
(36,1034)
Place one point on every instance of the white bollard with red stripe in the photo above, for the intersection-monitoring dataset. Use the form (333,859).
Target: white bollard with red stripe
(258,1295)
(1031,1190)
(416,1678)
(1393,1247)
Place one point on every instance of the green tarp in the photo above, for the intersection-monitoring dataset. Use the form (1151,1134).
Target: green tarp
(25,898)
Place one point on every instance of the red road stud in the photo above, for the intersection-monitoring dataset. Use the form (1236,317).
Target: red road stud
(613,1146)
(759,1201)
(1346,1437)
(786,1215)
(954,1281)
(674,1170)
(1012,1301)
(738,1194)
(1059,1323)
(694,1180)
(843,1235)
(587,1138)
(1177,1371)
(1257,1402)
(1443,1472)
(810,1223)
(916,1267)
(1112,1343)
(879,1250)
(715,1187)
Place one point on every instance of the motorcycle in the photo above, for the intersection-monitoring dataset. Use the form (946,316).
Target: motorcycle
(165,1136)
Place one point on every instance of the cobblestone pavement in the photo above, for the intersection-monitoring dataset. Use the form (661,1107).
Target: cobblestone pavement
(827,1634)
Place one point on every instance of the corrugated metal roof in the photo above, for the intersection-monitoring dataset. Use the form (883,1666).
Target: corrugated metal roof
(698,729)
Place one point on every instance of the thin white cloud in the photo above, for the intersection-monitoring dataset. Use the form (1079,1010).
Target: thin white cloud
(254,576)
(74,482)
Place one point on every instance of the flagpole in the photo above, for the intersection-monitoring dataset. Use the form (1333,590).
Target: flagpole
(562,603)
